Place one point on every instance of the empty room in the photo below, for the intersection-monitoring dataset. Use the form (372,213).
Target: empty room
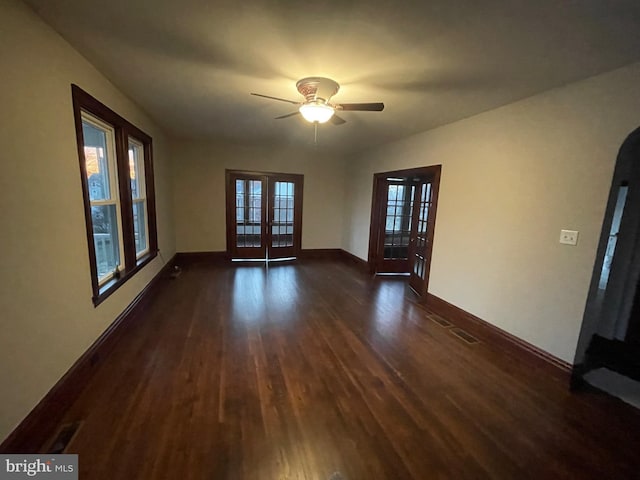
(320,240)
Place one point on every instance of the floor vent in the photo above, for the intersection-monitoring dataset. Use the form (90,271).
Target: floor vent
(63,437)
(470,339)
(441,321)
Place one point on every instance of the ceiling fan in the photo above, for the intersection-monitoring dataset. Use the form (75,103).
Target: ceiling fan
(316,107)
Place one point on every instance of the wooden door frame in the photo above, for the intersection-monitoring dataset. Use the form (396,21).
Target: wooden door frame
(266,176)
(433,171)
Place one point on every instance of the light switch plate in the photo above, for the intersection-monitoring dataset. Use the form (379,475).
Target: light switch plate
(569,237)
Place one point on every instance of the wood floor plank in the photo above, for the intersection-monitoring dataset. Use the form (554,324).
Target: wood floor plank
(297,371)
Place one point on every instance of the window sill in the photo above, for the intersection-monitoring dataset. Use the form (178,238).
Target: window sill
(112,285)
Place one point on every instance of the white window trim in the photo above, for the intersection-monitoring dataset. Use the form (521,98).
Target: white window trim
(114,190)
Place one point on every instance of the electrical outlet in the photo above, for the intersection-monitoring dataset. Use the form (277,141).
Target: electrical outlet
(569,237)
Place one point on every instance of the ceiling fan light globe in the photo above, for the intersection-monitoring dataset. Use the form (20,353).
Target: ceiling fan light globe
(316,112)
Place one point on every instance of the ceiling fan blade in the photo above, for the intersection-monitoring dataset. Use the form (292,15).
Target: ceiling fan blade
(361,107)
(336,120)
(287,115)
(276,98)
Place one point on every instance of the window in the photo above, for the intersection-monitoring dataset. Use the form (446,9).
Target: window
(138,196)
(117,184)
(99,155)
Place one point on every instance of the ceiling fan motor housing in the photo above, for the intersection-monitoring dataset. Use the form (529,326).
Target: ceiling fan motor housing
(317,89)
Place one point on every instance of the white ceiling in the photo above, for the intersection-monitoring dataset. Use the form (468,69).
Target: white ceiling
(192,63)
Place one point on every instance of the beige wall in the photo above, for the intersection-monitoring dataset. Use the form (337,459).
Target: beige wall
(47,318)
(199,191)
(512,178)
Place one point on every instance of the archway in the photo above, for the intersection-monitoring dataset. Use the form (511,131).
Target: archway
(610,334)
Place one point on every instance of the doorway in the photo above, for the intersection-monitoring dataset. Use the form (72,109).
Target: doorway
(610,335)
(403,218)
(264,215)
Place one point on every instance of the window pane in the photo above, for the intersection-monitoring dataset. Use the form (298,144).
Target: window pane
(136,168)
(96,159)
(139,226)
(138,194)
(105,239)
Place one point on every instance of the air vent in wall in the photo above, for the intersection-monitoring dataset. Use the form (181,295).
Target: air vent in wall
(63,437)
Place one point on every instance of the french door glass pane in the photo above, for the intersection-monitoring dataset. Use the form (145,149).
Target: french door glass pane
(140,225)
(398,221)
(248,213)
(283,212)
(105,239)
(97,161)
(419,267)
(240,202)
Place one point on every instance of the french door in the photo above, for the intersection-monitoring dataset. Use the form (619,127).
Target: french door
(264,215)
(403,223)
(421,239)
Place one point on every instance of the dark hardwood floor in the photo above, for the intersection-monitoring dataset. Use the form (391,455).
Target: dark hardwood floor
(300,371)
